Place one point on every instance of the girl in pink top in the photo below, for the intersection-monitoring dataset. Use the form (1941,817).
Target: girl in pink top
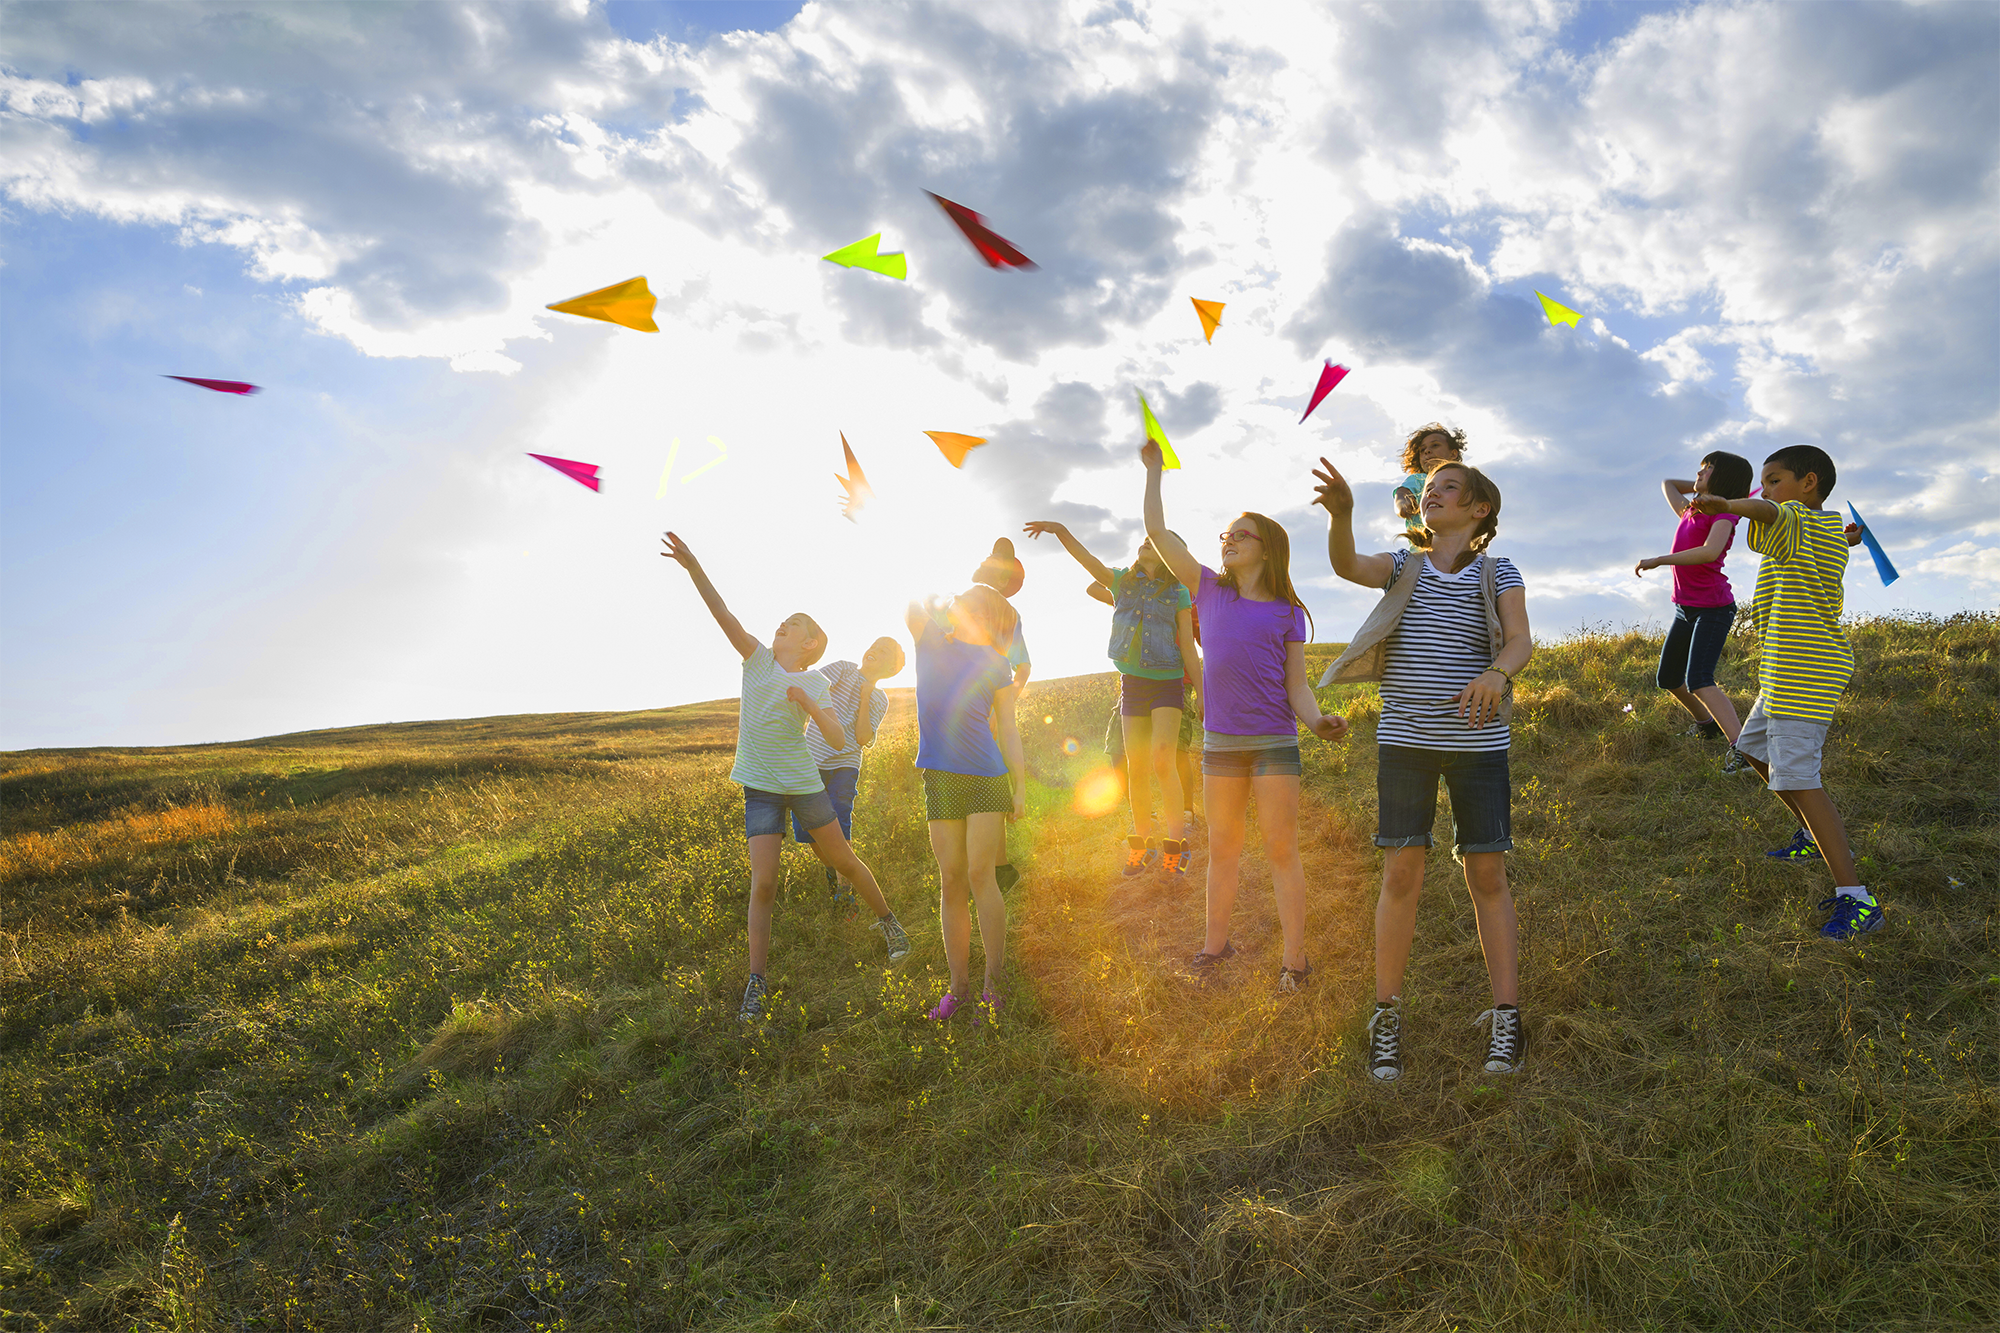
(1704,606)
(1254,697)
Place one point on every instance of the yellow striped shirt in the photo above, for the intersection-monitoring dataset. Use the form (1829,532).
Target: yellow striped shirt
(1796,612)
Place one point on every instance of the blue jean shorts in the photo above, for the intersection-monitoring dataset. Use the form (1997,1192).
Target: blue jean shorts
(1271,761)
(1406,792)
(1138,696)
(764,811)
(840,785)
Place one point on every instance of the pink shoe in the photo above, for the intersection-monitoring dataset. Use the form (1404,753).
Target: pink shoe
(945,1007)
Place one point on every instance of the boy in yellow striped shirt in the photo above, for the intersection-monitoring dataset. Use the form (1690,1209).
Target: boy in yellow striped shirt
(1806,664)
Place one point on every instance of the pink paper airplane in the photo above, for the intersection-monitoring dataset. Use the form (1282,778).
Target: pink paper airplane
(220,386)
(1328,377)
(584,474)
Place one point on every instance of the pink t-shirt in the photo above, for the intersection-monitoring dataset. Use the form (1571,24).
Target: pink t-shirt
(1702,585)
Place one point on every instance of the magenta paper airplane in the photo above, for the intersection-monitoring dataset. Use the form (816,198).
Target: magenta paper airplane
(994,248)
(583,474)
(1328,377)
(220,386)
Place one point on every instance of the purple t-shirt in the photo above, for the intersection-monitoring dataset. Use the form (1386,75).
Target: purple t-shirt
(1243,661)
(1702,585)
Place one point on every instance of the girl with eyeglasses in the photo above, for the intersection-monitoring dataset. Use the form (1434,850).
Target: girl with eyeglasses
(1255,697)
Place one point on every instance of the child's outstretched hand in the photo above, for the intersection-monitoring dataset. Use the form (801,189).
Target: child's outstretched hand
(1853,534)
(1149,454)
(677,551)
(1333,493)
(1650,562)
(1042,526)
(1705,503)
(1330,727)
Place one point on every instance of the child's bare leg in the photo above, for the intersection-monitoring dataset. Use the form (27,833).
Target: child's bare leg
(1228,804)
(833,848)
(1396,916)
(1815,810)
(1278,820)
(1696,709)
(1138,786)
(1184,765)
(954,895)
(1499,929)
(983,834)
(1166,724)
(764,849)
(1724,712)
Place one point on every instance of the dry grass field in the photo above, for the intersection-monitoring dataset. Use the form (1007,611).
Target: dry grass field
(432,1026)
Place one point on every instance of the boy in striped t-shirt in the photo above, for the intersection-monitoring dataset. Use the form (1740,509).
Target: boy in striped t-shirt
(1806,664)
(780,695)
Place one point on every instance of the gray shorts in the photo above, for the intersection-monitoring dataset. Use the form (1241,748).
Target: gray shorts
(1790,747)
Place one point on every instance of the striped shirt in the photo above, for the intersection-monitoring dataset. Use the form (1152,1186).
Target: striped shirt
(846,682)
(771,752)
(1796,612)
(1436,649)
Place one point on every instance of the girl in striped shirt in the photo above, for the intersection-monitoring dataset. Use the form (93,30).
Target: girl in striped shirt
(1445,642)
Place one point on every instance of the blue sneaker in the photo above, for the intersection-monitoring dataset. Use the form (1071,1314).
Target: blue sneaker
(1851,917)
(1800,851)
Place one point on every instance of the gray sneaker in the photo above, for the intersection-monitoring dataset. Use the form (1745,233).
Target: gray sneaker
(894,936)
(1736,762)
(1507,1047)
(1385,1041)
(754,995)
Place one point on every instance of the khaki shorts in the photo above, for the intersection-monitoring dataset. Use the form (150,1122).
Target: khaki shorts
(1790,747)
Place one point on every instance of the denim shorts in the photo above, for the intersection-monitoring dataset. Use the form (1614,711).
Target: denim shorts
(764,811)
(1694,645)
(840,785)
(1271,761)
(1406,792)
(1138,696)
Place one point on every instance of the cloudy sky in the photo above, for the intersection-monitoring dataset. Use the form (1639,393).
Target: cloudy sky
(1778,221)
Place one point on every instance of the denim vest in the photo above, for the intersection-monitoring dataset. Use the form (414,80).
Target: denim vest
(1146,608)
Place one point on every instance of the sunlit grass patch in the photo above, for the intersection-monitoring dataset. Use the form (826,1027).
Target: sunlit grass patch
(71,849)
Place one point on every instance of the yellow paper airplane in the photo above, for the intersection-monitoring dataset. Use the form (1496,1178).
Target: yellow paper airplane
(862,254)
(628,303)
(1211,316)
(1559,313)
(953,446)
(1168,458)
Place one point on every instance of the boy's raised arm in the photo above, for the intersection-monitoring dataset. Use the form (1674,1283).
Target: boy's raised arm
(740,639)
(1171,548)
(1334,494)
(1078,551)
(1755,507)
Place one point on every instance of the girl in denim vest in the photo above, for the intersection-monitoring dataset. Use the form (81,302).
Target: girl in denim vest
(1152,645)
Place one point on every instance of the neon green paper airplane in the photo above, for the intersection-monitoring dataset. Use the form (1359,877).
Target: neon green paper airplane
(1559,313)
(862,254)
(1168,459)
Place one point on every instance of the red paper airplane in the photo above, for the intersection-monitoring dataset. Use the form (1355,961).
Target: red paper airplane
(220,386)
(584,474)
(994,248)
(1328,377)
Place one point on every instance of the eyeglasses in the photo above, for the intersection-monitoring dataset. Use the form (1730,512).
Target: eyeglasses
(1241,534)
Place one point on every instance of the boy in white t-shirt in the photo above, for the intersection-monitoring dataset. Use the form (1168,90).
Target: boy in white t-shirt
(776,769)
(840,765)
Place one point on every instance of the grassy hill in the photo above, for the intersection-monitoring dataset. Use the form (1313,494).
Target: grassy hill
(432,1026)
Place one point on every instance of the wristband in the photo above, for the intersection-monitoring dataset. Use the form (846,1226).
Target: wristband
(1503,674)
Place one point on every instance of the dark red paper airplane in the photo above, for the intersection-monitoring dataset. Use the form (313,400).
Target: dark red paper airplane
(220,386)
(994,248)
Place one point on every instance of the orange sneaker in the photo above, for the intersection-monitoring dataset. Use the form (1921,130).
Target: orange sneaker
(1140,854)
(1173,857)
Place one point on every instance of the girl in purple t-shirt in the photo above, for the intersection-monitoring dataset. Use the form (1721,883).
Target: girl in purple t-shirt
(1704,606)
(1253,683)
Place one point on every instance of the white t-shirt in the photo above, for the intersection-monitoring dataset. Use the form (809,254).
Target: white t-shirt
(771,752)
(847,682)
(1440,644)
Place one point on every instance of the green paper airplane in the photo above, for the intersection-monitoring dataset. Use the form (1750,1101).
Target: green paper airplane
(862,254)
(1168,459)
